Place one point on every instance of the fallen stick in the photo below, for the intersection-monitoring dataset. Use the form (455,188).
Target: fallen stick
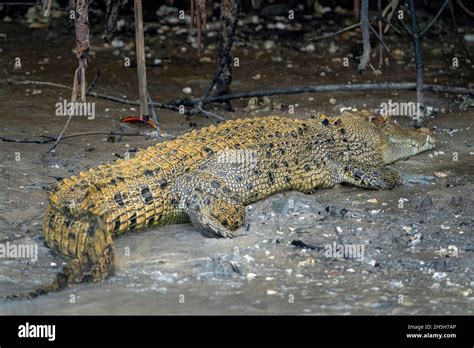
(49,139)
(329,88)
(174,104)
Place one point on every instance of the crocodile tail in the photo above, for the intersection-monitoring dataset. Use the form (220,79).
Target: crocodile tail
(93,262)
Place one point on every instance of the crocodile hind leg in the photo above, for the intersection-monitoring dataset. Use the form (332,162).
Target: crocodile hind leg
(216,217)
(380,178)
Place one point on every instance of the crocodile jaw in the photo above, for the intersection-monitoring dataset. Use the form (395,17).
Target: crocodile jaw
(407,144)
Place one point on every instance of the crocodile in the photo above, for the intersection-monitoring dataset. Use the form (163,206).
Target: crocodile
(208,176)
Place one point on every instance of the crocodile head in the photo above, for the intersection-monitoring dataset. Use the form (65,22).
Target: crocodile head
(397,142)
(390,140)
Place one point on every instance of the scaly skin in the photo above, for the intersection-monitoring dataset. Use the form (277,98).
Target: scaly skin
(208,176)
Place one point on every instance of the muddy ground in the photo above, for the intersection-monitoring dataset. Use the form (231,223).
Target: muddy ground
(418,256)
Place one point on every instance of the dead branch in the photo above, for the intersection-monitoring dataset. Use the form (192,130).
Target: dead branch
(48,139)
(199,16)
(327,88)
(94,81)
(81,23)
(458,34)
(174,104)
(326,36)
(223,74)
(388,12)
(464,8)
(364,26)
(356,9)
(417,36)
(380,33)
(229,20)
(140,51)
(424,31)
(111,19)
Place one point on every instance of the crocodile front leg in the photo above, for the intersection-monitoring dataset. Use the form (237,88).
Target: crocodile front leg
(216,217)
(363,175)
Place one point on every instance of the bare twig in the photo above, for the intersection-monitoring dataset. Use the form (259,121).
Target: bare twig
(464,8)
(98,95)
(388,12)
(70,112)
(365,27)
(229,20)
(356,9)
(408,30)
(174,105)
(326,36)
(382,43)
(94,81)
(419,118)
(81,24)
(424,31)
(328,88)
(223,74)
(111,19)
(380,33)
(48,139)
(458,34)
(141,69)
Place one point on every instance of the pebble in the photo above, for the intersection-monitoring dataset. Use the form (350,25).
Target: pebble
(332,101)
(333,48)
(255,19)
(249,258)
(372,262)
(187,90)
(372,200)
(269,44)
(251,276)
(396,284)
(280,26)
(440,174)
(439,275)
(309,48)
(271,292)
(117,43)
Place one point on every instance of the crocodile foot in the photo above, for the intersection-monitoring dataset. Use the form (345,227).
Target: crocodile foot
(417,179)
(216,217)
